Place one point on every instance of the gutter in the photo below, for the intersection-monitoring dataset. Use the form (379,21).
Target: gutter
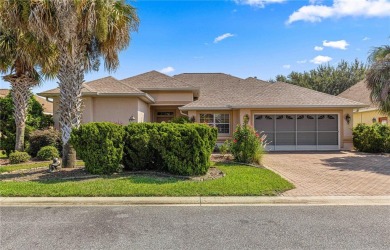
(269,107)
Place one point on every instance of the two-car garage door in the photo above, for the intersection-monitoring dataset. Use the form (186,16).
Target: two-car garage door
(299,131)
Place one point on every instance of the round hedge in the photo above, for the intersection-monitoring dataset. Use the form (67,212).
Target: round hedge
(48,153)
(19,157)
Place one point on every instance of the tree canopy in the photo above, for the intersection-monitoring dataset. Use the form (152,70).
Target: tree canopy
(327,78)
(36,119)
(378,77)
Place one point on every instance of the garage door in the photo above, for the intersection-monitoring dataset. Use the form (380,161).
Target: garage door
(299,132)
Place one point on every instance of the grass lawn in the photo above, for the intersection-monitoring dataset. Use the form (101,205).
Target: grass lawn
(28,165)
(239,180)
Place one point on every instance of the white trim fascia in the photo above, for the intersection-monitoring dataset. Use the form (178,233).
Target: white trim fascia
(269,107)
(366,110)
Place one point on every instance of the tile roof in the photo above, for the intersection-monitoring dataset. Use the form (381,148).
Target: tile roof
(222,91)
(106,85)
(154,80)
(360,93)
(110,85)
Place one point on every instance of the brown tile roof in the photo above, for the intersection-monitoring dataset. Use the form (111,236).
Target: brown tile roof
(358,92)
(154,80)
(223,91)
(110,85)
(107,86)
(46,105)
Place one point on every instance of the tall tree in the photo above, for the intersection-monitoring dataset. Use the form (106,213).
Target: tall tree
(21,54)
(378,77)
(83,31)
(328,79)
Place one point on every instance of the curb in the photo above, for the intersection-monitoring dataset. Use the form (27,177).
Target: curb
(198,201)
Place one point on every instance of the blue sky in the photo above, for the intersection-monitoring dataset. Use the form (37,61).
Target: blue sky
(245,38)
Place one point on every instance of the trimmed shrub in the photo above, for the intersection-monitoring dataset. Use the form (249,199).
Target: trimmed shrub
(372,139)
(182,149)
(41,138)
(180,120)
(138,152)
(48,153)
(248,145)
(18,157)
(100,146)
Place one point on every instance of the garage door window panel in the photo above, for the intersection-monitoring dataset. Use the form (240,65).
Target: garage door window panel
(265,124)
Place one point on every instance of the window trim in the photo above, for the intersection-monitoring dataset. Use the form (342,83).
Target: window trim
(214,123)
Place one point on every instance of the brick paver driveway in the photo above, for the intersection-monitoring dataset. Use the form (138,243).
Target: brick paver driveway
(332,173)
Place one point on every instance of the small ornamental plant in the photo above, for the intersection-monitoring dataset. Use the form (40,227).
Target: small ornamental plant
(248,146)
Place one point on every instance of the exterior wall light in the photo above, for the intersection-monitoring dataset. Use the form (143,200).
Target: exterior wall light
(348,118)
(132,118)
(374,120)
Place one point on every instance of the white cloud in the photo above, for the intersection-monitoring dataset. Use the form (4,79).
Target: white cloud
(222,37)
(342,44)
(258,3)
(321,59)
(315,1)
(287,66)
(366,38)
(302,61)
(341,8)
(167,70)
(318,48)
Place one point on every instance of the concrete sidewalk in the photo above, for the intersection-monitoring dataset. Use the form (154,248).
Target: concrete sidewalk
(196,201)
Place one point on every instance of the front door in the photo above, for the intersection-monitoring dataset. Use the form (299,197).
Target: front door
(164,116)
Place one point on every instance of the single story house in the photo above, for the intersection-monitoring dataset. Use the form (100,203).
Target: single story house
(367,115)
(292,117)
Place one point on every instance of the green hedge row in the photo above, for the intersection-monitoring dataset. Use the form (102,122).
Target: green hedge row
(100,146)
(372,139)
(182,149)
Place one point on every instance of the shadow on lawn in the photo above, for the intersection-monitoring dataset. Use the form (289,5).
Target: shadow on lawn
(374,163)
(137,178)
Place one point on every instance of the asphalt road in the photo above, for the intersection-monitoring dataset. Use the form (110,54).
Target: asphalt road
(232,227)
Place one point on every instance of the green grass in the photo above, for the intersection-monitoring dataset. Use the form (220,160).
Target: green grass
(239,180)
(29,165)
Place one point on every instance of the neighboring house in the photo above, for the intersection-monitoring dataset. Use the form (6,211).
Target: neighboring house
(46,105)
(368,115)
(294,118)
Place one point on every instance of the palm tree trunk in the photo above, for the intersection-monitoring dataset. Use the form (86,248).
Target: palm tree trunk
(71,78)
(21,93)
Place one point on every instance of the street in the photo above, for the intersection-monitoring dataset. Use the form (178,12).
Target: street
(187,227)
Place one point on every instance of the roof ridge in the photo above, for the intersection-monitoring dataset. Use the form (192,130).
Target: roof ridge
(186,84)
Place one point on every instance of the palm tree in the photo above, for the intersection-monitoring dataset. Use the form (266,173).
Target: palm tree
(378,77)
(20,56)
(83,31)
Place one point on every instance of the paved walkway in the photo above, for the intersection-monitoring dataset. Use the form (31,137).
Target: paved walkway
(332,173)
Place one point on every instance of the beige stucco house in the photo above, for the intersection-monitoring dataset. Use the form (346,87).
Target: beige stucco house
(367,115)
(294,118)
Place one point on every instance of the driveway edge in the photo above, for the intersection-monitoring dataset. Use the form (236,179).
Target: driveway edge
(197,201)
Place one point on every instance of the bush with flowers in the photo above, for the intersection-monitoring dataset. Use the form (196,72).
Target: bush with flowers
(248,145)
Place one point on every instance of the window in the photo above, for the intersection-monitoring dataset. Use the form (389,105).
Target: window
(220,121)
